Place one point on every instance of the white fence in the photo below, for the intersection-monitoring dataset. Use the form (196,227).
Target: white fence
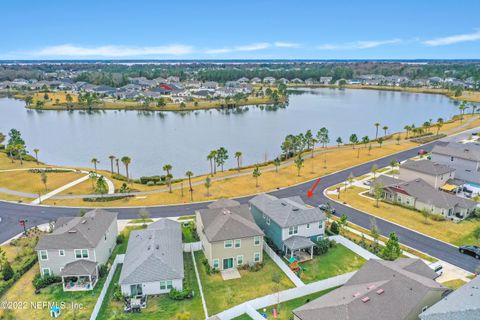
(282,265)
(283,296)
(192,246)
(118,259)
(354,247)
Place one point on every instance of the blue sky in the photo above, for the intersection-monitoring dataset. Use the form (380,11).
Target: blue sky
(240,29)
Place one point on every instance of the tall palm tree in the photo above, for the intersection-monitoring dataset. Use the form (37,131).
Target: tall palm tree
(126,162)
(167,168)
(376,124)
(407,129)
(36,151)
(111,163)
(95,161)
(256,174)
(238,155)
(385,128)
(189,174)
(212,156)
(116,163)
(439,126)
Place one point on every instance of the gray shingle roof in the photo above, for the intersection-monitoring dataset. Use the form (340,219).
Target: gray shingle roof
(79,268)
(154,254)
(287,212)
(298,242)
(223,203)
(469,151)
(427,167)
(221,224)
(386,181)
(462,304)
(402,291)
(78,232)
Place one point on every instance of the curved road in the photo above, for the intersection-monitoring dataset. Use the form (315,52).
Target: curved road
(10,213)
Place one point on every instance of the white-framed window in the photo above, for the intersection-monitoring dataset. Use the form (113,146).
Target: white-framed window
(293,230)
(169,284)
(216,263)
(256,240)
(239,260)
(268,220)
(228,244)
(256,257)
(61,253)
(319,238)
(163,285)
(238,243)
(308,225)
(46,272)
(81,253)
(320,224)
(43,255)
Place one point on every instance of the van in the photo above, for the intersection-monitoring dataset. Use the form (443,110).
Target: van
(437,268)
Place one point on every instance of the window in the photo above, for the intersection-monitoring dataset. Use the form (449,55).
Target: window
(256,241)
(424,308)
(320,224)
(268,220)
(43,255)
(239,260)
(81,253)
(451,158)
(256,257)
(228,243)
(61,253)
(319,238)
(308,225)
(46,272)
(169,284)
(238,243)
(293,230)
(216,263)
(163,285)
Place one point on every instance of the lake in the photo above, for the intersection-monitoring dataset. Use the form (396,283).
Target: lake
(153,139)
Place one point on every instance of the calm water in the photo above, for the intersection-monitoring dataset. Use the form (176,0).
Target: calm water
(184,140)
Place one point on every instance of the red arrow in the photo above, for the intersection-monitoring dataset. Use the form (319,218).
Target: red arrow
(310,192)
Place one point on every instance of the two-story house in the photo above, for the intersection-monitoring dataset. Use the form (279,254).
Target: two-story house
(77,247)
(289,223)
(229,235)
(464,158)
(435,174)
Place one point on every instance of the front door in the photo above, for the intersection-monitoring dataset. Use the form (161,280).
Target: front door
(227,263)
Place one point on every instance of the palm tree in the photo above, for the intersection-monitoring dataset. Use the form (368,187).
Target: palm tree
(376,127)
(189,174)
(393,164)
(212,156)
(167,168)
(126,162)
(118,167)
(439,126)
(36,151)
(111,162)
(256,174)
(208,184)
(20,150)
(407,129)
(474,107)
(95,161)
(277,163)
(299,162)
(44,178)
(374,170)
(238,155)
(385,128)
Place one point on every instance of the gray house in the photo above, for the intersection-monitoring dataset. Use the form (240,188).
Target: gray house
(380,290)
(77,247)
(154,260)
(462,304)
(464,158)
(433,173)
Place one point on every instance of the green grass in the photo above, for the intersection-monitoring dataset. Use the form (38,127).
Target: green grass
(243,317)
(221,295)
(453,284)
(186,218)
(188,233)
(160,307)
(140,221)
(338,260)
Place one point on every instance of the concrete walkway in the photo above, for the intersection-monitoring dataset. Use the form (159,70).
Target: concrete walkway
(58,190)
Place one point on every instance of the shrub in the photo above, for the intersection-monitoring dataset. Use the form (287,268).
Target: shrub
(120,238)
(117,294)
(175,294)
(120,177)
(256,266)
(150,183)
(152,179)
(7,272)
(105,199)
(437,217)
(321,247)
(40,282)
(102,270)
(334,228)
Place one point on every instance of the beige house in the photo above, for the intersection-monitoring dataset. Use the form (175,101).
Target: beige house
(229,235)
(434,174)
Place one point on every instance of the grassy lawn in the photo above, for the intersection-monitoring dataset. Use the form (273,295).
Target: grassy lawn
(455,233)
(221,295)
(160,307)
(453,284)
(336,261)
(188,232)
(26,181)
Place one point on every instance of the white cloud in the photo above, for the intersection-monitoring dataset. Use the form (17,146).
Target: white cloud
(358,45)
(244,48)
(445,41)
(68,50)
(281,44)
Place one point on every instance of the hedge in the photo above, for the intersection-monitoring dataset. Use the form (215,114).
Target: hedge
(106,199)
(27,265)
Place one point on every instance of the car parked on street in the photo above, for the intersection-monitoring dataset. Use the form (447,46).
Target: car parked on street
(327,207)
(472,250)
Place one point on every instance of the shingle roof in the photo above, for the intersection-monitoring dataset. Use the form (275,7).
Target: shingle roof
(223,203)
(462,304)
(154,254)
(229,223)
(386,181)
(79,268)
(427,167)
(379,290)
(78,232)
(469,151)
(287,212)
(298,242)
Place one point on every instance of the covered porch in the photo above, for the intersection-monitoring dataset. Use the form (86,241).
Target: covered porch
(81,275)
(297,246)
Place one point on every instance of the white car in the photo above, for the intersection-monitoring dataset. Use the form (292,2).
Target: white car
(437,268)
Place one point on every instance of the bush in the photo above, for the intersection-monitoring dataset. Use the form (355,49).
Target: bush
(256,266)
(437,217)
(334,228)
(120,238)
(117,294)
(152,179)
(321,247)
(40,282)
(175,294)
(150,183)
(7,272)
(102,270)
(105,199)
(120,177)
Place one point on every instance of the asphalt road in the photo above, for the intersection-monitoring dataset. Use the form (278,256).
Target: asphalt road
(10,213)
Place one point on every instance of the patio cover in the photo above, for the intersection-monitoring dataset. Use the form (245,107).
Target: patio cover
(448,187)
(298,242)
(79,268)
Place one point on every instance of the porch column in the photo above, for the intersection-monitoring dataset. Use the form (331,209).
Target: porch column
(291,253)
(311,252)
(63,283)
(91,284)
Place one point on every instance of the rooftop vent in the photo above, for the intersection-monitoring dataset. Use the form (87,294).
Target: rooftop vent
(225,211)
(370,287)
(84,221)
(72,231)
(148,248)
(157,246)
(380,291)
(365,300)
(284,204)
(295,209)
(356,294)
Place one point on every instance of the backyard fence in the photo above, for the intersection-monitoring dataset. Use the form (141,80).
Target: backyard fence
(282,265)
(354,247)
(192,246)
(118,259)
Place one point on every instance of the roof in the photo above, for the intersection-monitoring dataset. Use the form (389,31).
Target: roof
(424,192)
(298,242)
(154,254)
(462,304)
(223,203)
(427,167)
(78,232)
(469,151)
(287,212)
(387,180)
(221,224)
(379,290)
(79,268)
